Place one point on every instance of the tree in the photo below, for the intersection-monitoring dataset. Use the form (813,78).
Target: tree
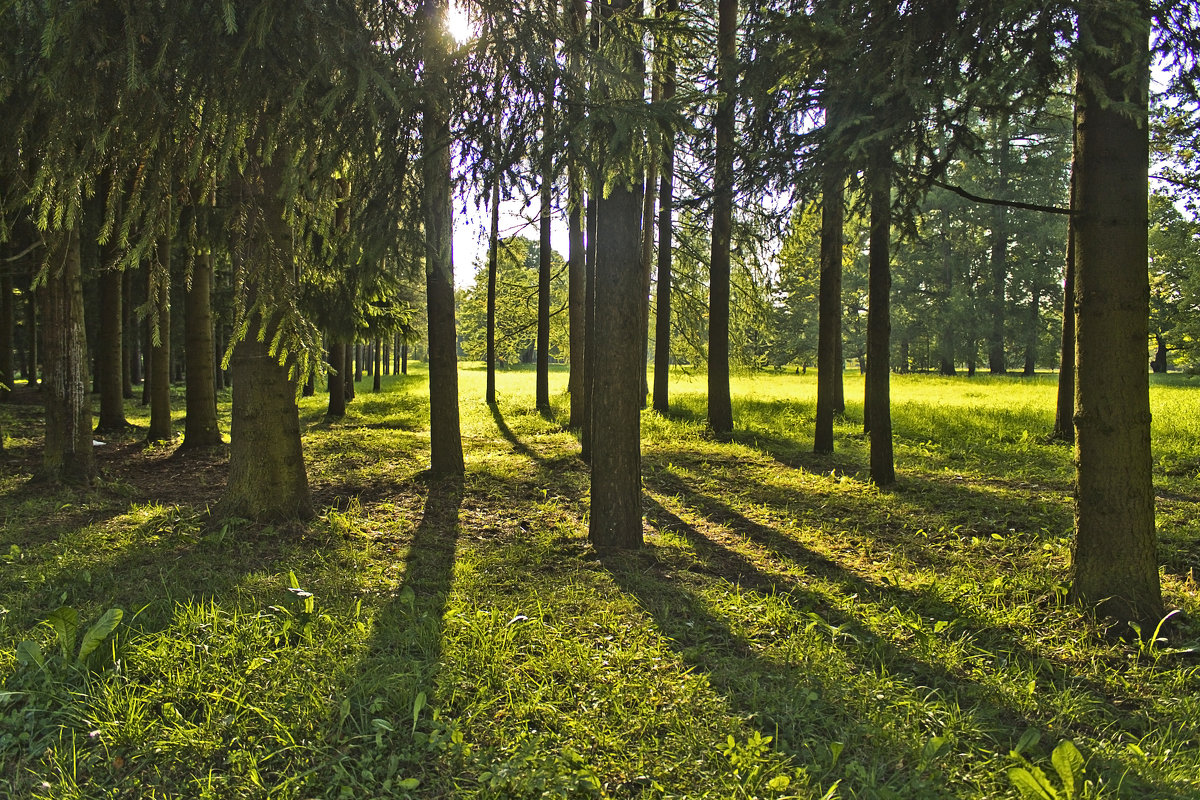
(446,456)
(720,407)
(1114,563)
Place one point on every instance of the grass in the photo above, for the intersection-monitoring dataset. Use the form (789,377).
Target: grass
(788,631)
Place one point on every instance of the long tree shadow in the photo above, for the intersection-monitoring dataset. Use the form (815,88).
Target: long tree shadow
(393,691)
(800,701)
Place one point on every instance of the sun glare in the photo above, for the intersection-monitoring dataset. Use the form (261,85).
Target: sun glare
(458,23)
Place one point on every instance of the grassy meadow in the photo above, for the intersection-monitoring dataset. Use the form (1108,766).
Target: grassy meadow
(789,630)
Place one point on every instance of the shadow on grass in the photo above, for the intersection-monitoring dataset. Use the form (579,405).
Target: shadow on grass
(394,686)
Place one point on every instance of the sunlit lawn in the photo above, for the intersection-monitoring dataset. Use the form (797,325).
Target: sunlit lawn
(788,631)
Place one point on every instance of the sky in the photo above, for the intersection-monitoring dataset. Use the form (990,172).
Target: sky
(471,233)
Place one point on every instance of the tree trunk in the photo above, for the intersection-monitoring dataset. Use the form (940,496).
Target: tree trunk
(404,358)
(200,426)
(446,455)
(1031,340)
(879,324)
(576,294)
(542,382)
(1114,561)
(68,455)
(649,198)
(589,362)
(337,381)
(129,337)
(377,375)
(999,260)
(720,406)
(616,510)
(108,354)
(829,303)
(6,336)
(32,334)
(666,211)
(493,267)
(267,477)
(160,348)
(348,372)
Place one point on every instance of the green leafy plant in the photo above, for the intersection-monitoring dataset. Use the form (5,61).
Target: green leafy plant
(1033,783)
(65,622)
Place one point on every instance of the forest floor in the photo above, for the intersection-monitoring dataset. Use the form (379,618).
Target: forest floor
(789,630)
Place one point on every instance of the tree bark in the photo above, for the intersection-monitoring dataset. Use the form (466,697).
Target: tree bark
(337,381)
(1114,560)
(542,382)
(267,476)
(160,346)
(109,373)
(589,363)
(32,334)
(377,375)
(200,426)
(129,339)
(666,211)
(348,372)
(829,304)
(446,455)
(68,455)
(720,405)
(616,510)
(879,324)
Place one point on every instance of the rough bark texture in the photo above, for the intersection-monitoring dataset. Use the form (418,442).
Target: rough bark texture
(200,427)
(129,354)
(829,308)
(720,406)
(267,477)
(109,374)
(159,373)
(1114,562)
(879,325)
(446,455)
(68,456)
(616,506)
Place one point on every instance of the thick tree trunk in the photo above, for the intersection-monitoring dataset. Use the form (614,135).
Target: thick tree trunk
(879,324)
(829,306)
(108,354)
(616,510)
(267,477)
(446,455)
(160,348)
(493,267)
(68,456)
(1114,560)
(720,406)
(200,387)
(337,381)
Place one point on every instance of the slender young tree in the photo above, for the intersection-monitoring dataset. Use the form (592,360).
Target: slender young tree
(1114,560)
(159,373)
(1064,413)
(446,454)
(493,266)
(666,209)
(998,257)
(829,300)
(546,192)
(108,355)
(720,406)
(201,428)
(878,398)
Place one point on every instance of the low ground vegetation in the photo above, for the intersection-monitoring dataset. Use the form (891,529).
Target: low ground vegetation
(789,631)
